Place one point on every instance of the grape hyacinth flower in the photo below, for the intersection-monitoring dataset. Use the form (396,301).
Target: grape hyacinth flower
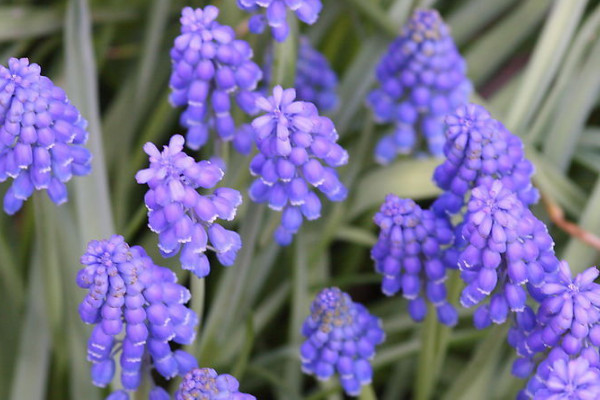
(183,218)
(205,383)
(315,80)
(137,307)
(479,149)
(507,247)
(41,135)
(341,336)
(562,377)
(275,15)
(568,319)
(209,66)
(422,78)
(294,143)
(410,255)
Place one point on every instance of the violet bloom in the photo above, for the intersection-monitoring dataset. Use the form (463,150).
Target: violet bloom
(341,336)
(209,66)
(507,248)
(183,218)
(422,78)
(275,14)
(41,135)
(297,151)
(206,384)
(410,255)
(137,308)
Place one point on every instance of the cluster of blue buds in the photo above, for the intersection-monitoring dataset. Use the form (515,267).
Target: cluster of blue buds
(183,218)
(560,376)
(410,255)
(507,248)
(567,320)
(41,135)
(293,141)
(315,80)
(341,336)
(129,294)
(479,149)
(422,78)
(275,16)
(206,384)
(209,65)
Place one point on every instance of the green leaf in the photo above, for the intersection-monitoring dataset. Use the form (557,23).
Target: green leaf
(21,22)
(31,372)
(406,178)
(503,37)
(547,56)
(577,103)
(92,191)
(473,15)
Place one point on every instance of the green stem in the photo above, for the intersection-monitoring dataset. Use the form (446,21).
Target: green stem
(367,393)
(427,356)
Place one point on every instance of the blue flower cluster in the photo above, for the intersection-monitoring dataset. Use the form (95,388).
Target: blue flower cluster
(422,78)
(275,16)
(209,65)
(507,248)
(130,295)
(41,135)
(182,217)
(206,384)
(315,80)
(479,149)
(410,255)
(340,336)
(293,143)
(567,322)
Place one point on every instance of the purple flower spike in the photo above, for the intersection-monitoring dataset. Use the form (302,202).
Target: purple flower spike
(297,152)
(562,378)
(340,337)
(275,14)
(183,218)
(480,149)
(315,82)
(507,247)
(209,66)
(205,383)
(410,256)
(41,135)
(422,78)
(137,304)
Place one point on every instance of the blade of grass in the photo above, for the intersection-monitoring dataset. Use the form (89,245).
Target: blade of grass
(92,191)
(503,38)
(31,372)
(549,52)
(473,15)
(406,178)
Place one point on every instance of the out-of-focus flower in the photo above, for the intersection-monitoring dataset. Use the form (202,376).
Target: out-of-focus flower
(410,255)
(275,14)
(340,337)
(183,218)
(209,67)
(130,296)
(206,384)
(297,151)
(41,135)
(422,78)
